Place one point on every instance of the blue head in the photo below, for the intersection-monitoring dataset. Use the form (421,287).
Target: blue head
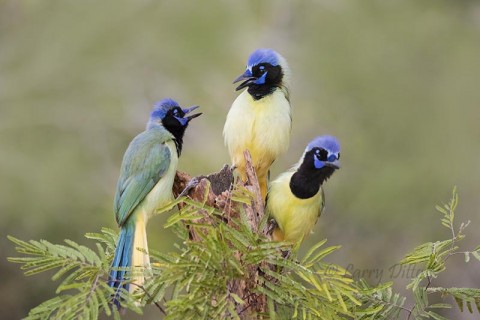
(264,72)
(324,151)
(172,117)
(168,113)
(318,163)
(260,56)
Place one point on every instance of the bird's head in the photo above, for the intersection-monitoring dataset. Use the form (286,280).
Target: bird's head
(318,163)
(172,117)
(323,152)
(168,113)
(266,70)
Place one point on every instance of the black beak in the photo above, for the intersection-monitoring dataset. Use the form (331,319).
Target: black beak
(193,116)
(187,111)
(334,165)
(247,79)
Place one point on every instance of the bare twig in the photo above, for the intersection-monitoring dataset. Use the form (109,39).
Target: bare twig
(256,210)
(149,296)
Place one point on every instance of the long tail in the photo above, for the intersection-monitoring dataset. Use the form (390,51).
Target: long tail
(132,236)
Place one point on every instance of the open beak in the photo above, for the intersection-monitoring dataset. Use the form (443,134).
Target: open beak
(246,77)
(188,110)
(334,164)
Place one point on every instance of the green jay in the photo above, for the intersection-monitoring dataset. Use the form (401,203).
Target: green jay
(145,184)
(260,118)
(296,198)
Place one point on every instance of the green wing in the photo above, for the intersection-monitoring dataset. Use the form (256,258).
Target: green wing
(144,164)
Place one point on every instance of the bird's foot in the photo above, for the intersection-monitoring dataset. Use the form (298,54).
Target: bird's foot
(190,185)
(286,254)
(272,225)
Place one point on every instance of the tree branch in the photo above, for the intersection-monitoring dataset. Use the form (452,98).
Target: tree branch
(215,190)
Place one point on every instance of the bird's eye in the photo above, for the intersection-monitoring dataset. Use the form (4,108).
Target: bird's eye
(321,154)
(261,69)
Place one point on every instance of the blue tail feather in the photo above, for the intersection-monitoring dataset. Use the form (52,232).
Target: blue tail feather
(122,259)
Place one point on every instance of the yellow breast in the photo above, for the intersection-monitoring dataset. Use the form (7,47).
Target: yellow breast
(261,126)
(295,217)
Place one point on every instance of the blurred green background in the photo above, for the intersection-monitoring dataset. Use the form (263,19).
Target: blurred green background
(398,82)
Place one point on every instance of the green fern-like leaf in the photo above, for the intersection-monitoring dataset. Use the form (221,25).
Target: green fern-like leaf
(378,302)
(229,267)
(82,292)
(462,296)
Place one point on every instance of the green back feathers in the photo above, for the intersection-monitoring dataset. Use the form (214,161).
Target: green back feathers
(146,160)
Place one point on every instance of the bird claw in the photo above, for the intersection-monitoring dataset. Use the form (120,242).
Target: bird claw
(272,224)
(190,185)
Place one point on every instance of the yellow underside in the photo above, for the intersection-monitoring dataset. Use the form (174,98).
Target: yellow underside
(295,217)
(260,126)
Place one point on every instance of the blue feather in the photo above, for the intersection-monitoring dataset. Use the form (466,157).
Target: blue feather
(122,260)
(261,80)
(263,56)
(160,108)
(328,143)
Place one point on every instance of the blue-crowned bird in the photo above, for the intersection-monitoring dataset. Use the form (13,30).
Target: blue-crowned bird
(296,198)
(145,184)
(260,118)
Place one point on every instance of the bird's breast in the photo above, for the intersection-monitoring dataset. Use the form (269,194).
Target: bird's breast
(295,217)
(261,126)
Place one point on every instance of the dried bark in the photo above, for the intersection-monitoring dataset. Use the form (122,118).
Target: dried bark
(216,191)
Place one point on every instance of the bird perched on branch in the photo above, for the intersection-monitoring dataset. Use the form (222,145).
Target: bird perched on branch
(260,118)
(145,184)
(296,199)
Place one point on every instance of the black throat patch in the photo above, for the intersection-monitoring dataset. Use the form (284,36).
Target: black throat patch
(306,181)
(273,80)
(176,129)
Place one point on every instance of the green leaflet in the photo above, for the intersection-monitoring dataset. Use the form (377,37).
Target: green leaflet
(195,281)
